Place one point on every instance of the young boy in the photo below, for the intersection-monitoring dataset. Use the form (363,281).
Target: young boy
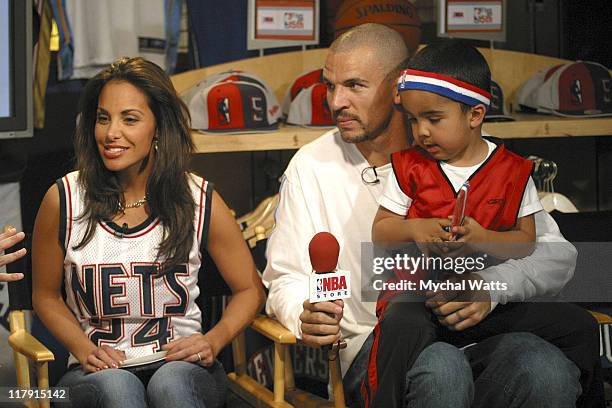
(445,94)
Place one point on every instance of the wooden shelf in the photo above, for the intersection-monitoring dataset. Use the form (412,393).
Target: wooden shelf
(509,68)
(540,126)
(285,138)
(294,137)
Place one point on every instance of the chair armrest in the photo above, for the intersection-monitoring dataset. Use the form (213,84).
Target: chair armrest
(602,318)
(273,330)
(26,344)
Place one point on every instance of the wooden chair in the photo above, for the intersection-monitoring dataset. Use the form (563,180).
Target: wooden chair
(212,300)
(262,215)
(26,348)
(285,393)
(595,226)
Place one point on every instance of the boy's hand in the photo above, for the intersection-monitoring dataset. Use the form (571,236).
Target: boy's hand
(429,231)
(471,232)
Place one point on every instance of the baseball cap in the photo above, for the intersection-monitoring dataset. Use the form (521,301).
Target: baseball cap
(578,89)
(309,107)
(303,81)
(232,101)
(526,94)
(497,111)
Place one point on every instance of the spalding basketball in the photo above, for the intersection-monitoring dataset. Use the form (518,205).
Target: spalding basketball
(400,15)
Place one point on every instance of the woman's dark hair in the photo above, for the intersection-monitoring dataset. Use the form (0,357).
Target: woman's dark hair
(168,192)
(455,59)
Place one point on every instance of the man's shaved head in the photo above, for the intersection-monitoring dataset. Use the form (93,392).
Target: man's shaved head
(388,45)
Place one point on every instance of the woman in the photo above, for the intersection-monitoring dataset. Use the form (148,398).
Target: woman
(131,224)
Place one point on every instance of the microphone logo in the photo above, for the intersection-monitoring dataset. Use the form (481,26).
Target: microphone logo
(329,286)
(333,283)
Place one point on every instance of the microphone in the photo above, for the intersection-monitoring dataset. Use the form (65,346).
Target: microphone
(327,283)
(324,250)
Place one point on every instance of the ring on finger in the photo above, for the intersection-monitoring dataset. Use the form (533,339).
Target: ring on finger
(199,356)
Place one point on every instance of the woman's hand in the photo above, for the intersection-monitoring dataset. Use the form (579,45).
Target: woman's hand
(194,349)
(101,358)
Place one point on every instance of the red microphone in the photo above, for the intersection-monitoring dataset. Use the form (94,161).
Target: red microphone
(324,250)
(327,283)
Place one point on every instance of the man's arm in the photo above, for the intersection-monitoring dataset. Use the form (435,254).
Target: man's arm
(544,273)
(288,269)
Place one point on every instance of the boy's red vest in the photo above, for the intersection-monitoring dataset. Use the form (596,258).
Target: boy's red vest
(494,198)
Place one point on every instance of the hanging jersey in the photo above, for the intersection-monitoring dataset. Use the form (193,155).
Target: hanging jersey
(106,30)
(111,286)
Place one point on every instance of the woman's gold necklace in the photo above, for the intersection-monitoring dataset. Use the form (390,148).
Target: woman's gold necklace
(135,204)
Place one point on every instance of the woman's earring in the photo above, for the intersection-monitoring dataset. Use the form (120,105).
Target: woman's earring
(155,145)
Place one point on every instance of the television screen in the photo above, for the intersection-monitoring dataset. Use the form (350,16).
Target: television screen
(15,68)
(5,86)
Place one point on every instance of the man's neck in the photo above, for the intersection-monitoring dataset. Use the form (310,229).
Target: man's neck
(394,138)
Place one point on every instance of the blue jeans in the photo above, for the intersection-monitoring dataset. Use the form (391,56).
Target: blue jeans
(507,370)
(174,384)
(440,377)
(522,370)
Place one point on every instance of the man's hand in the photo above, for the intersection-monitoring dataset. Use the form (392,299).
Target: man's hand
(460,309)
(321,322)
(8,238)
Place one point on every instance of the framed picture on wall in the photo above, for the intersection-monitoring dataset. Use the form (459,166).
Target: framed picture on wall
(475,19)
(282,23)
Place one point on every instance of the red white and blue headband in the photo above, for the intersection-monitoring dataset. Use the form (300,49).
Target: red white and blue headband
(446,86)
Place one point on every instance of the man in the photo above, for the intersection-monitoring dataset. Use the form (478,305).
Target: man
(333,185)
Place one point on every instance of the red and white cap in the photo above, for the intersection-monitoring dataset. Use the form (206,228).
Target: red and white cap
(305,101)
(303,81)
(575,89)
(310,108)
(232,101)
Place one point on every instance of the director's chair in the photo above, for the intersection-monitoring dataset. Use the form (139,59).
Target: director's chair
(26,348)
(285,393)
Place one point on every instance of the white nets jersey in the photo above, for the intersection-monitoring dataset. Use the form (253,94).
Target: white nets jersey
(110,283)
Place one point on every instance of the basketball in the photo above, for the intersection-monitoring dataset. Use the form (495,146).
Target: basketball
(401,15)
